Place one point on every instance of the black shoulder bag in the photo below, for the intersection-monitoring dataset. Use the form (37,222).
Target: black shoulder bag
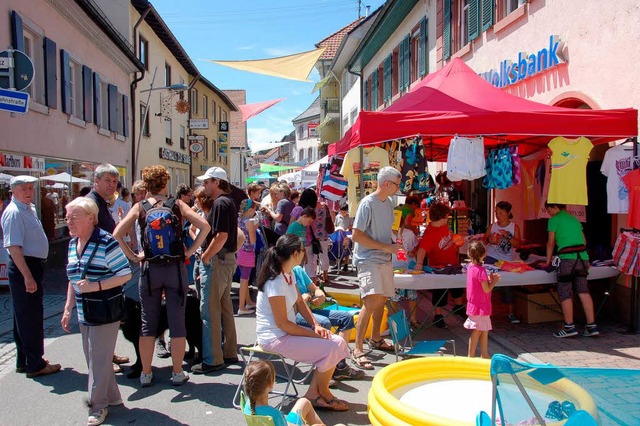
(102,307)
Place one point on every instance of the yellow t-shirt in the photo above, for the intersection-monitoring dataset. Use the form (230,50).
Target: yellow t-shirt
(569,170)
(374,159)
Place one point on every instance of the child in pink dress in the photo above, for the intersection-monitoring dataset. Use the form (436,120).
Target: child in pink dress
(479,287)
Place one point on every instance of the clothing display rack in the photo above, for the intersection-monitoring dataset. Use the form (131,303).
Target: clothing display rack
(634,323)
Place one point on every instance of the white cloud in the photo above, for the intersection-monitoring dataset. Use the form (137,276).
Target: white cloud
(276,52)
(262,134)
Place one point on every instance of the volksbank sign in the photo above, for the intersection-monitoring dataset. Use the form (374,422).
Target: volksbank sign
(527,65)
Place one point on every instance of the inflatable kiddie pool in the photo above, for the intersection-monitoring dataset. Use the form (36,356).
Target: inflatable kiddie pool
(452,391)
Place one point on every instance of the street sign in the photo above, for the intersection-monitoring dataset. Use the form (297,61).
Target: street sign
(196,147)
(195,137)
(199,123)
(223,126)
(19,70)
(13,101)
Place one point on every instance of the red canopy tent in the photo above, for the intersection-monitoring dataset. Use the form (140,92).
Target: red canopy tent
(456,100)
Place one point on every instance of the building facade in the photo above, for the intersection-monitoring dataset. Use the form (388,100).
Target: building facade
(78,114)
(307,137)
(238,144)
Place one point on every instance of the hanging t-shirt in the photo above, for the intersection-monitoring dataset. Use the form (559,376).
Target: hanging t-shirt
(632,182)
(499,169)
(569,170)
(374,159)
(616,164)
(466,159)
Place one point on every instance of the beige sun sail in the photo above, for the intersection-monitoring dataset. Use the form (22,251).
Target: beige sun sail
(293,67)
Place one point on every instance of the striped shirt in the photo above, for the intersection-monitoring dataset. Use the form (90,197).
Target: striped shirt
(109,261)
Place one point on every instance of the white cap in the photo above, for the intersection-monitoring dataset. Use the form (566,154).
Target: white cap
(19,180)
(214,173)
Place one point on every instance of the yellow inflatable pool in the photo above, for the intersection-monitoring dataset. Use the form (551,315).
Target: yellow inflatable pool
(387,405)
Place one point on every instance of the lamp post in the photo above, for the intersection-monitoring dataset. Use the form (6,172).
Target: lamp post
(143,121)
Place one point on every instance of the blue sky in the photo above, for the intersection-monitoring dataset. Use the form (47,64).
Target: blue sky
(257,29)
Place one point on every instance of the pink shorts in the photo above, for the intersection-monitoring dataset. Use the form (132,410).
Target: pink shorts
(323,353)
(478,322)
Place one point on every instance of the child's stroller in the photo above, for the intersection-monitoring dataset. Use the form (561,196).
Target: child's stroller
(340,249)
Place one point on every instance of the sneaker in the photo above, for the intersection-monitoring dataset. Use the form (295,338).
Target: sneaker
(179,379)
(204,368)
(590,330)
(566,331)
(438,321)
(460,310)
(347,373)
(161,350)
(513,319)
(245,311)
(250,306)
(97,418)
(146,379)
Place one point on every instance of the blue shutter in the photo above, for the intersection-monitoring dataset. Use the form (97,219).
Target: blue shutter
(473,29)
(50,73)
(446,29)
(87,93)
(487,14)
(365,95)
(97,105)
(112,101)
(125,116)
(65,74)
(374,90)
(423,57)
(17,37)
(387,74)
(407,60)
(401,66)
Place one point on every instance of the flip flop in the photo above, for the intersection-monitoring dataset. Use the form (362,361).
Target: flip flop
(321,403)
(361,361)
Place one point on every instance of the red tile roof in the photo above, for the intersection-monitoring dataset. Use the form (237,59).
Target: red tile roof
(332,43)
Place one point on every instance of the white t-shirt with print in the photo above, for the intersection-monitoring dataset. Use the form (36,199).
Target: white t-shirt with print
(266,328)
(616,164)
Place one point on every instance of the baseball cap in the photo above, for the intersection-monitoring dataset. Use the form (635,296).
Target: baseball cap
(22,179)
(214,173)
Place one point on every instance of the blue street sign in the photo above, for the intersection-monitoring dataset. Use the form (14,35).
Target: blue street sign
(13,101)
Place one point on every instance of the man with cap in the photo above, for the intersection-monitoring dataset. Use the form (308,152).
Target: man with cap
(105,183)
(28,248)
(217,266)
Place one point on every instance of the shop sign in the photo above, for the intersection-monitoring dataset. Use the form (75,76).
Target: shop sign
(196,147)
(167,154)
(199,123)
(22,163)
(223,126)
(527,65)
(223,144)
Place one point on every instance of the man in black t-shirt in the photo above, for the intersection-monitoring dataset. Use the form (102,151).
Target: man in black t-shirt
(217,266)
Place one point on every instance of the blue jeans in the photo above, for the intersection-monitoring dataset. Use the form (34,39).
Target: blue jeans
(205,292)
(342,320)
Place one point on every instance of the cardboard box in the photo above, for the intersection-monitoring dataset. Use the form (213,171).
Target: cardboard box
(537,307)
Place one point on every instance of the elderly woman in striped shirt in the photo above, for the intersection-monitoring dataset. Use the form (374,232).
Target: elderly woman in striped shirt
(108,269)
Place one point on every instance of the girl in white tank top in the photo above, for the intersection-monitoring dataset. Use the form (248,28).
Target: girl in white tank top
(503,236)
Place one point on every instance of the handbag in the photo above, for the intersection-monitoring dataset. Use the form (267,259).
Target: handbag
(328,223)
(102,307)
(316,248)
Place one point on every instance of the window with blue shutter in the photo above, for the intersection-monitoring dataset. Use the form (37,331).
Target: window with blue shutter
(65,74)
(387,74)
(401,66)
(97,104)
(407,60)
(50,73)
(446,29)
(374,90)
(125,116)
(112,93)
(473,22)
(487,14)
(17,36)
(365,95)
(423,57)
(87,93)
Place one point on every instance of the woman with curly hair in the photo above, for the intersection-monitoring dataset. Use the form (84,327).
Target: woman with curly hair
(168,276)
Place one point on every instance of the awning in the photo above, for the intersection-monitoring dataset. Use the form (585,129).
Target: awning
(319,85)
(256,147)
(251,110)
(274,168)
(293,67)
(324,122)
(262,176)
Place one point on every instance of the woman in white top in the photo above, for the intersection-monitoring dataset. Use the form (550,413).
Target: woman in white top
(501,239)
(276,326)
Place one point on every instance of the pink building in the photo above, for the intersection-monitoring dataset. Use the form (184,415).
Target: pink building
(78,112)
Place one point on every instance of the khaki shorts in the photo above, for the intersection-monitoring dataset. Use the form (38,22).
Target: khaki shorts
(376,279)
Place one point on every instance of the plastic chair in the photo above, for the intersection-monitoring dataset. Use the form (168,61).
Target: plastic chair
(404,345)
(247,353)
(254,419)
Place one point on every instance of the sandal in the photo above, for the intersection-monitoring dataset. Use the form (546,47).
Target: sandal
(381,345)
(361,361)
(333,404)
(415,324)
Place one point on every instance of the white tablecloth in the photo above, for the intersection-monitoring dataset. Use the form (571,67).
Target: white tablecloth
(433,281)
